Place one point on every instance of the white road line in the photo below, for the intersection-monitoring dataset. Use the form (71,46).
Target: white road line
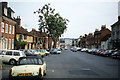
(51,70)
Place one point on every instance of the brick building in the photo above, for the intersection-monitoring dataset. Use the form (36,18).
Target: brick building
(40,40)
(90,41)
(98,35)
(7,26)
(23,35)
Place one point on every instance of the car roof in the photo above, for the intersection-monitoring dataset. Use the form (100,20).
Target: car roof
(31,57)
(13,50)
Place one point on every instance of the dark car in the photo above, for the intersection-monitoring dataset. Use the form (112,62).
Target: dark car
(107,53)
(115,54)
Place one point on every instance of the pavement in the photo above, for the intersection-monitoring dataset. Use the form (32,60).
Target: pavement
(77,65)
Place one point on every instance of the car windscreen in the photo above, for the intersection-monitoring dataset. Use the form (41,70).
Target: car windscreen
(30,61)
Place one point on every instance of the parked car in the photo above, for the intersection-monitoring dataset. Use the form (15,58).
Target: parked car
(107,53)
(115,54)
(74,49)
(41,52)
(11,56)
(30,53)
(44,51)
(54,51)
(58,51)
(66,48)
(90,50)
(84,49)
(28,67)
(34,51)
(71,48)
(78,49)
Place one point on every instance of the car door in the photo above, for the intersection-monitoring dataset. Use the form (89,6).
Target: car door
(7,56)
(1,54)
(16,55)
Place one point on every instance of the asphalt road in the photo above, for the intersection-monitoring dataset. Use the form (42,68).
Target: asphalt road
(77,65)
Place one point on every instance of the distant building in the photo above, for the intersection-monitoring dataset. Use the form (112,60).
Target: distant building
(7,26)
(40,40)
(68,42)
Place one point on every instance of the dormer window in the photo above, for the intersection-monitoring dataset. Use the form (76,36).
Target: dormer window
(12,14)
(5,11)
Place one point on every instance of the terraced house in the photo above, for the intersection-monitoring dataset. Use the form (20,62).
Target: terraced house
(23,35)
(7,26)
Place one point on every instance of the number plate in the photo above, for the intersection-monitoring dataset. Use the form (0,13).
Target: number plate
(25,74)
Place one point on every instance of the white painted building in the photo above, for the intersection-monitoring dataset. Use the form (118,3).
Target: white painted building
(105,42)
(68,42)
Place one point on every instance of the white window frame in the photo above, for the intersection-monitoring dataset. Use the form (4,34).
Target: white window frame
(6,28)
(2,27)
(12,14)
(6,43)
(9,43)
(5,11)
(9,29)
(13,29)
(12,43)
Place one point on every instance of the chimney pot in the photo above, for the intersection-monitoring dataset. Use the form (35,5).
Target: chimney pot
(118,18)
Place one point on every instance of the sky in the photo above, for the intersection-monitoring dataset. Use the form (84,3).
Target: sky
(84,15)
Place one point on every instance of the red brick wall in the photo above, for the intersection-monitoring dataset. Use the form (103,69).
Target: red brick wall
(7,35)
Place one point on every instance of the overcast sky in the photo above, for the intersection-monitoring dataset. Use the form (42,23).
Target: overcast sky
(84,15)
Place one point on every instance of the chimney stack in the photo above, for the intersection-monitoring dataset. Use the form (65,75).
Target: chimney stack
(4,4)
(103,27)
(118,18)
(18,20)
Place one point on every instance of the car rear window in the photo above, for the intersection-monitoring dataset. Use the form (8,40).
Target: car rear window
(30,61)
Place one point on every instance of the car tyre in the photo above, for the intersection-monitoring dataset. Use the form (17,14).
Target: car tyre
(44,73)
(12,62)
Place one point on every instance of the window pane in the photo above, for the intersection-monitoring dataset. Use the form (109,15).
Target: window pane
(9,43)
(12,43)
(2,27)
(16,54)
(9,53)
(9,29)
(6,28)
(13,30)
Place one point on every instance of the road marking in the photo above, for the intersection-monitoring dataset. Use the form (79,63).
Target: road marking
(85,69)
(51,70)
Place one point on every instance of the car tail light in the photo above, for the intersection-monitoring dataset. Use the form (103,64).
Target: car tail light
(40,70)
(10,72)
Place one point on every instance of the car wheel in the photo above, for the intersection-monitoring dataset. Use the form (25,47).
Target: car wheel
(44,72)
(12,62)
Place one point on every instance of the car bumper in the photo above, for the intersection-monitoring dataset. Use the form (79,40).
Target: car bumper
(25,77)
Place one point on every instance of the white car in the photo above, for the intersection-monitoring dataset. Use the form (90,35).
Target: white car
(11,56)
(58,51)
(28,67)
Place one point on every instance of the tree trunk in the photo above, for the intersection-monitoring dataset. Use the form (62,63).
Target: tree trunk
(54,46)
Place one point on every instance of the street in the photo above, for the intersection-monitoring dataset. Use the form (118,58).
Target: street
(70,64)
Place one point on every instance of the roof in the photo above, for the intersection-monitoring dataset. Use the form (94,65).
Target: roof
(106,37)
(21,30)
(37,33)
(115,24)
(99,32)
